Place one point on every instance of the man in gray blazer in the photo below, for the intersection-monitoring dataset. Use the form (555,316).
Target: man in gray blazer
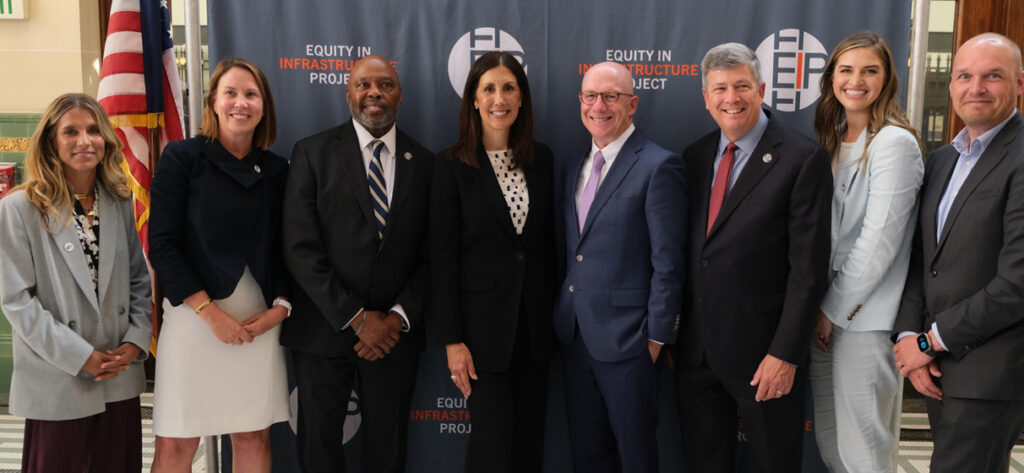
(961,322)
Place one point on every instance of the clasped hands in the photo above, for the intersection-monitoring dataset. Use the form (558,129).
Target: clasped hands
(108,364)
(379,333)
(233,332)
(918,367)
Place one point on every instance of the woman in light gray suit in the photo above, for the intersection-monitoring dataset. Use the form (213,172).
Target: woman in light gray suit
(78,302)
(877,166)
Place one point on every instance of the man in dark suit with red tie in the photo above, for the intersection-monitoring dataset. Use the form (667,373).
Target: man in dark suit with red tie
(355,231)
(758,251)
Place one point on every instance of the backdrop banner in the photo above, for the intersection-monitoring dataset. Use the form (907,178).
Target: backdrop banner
(308,48)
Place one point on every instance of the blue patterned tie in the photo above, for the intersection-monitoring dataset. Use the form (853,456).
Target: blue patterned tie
(378,189)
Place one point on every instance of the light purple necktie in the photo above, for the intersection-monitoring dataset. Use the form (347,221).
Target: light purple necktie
(590,190)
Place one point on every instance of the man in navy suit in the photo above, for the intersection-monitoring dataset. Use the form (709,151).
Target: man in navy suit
(622,229)
(758,253)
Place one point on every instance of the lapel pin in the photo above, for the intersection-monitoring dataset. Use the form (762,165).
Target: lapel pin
(767,158)
(407,155)
(257,168)
(68,247)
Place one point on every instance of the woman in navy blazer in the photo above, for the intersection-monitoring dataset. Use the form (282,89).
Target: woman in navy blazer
(78,299)
(876,161)
(215,243)
(493,265)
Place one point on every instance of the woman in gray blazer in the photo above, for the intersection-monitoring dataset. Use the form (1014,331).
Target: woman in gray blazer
(78,303)
(877,166)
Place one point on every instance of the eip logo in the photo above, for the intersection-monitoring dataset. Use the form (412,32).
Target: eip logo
(474,44)
(353,419)
(792,62)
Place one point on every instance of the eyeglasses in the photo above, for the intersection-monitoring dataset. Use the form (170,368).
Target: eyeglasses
(609,98)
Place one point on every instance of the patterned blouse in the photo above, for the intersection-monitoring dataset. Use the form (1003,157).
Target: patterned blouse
(89,236)
(513,186)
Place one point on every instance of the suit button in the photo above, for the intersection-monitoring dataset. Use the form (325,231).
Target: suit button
(519,256)
(579,257)
(120,311)
(572,288)
(934,273)
(704,263)
(73,324)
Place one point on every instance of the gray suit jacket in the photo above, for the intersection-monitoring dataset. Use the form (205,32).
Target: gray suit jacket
(971,282)
(47,294)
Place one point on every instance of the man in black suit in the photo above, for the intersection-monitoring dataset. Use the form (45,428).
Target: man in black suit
(961,322)
(355,220)
(758,252)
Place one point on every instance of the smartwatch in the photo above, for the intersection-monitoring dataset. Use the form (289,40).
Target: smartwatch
(925,345)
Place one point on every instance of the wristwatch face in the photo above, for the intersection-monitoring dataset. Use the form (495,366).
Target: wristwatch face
(924,344)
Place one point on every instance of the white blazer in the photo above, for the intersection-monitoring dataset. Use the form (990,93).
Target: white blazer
(873,211)
(47,294)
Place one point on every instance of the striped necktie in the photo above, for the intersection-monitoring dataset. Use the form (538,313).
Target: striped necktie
(378,189)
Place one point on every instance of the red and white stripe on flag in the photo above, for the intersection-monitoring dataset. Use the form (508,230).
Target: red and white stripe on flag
(141,92)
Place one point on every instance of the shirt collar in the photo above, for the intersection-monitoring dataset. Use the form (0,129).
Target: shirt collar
(749,141)
(612,150)
(963,144)
(364,137)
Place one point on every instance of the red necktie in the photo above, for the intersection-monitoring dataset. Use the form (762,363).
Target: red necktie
(721,184)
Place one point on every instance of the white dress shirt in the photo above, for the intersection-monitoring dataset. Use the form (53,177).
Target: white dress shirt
(387,161)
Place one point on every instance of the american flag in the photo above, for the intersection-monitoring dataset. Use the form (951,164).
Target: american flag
(141,92)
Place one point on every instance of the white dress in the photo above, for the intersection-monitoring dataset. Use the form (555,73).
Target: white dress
(207,387)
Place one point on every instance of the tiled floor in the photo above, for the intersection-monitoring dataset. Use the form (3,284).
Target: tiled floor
(914,455)
(12,429)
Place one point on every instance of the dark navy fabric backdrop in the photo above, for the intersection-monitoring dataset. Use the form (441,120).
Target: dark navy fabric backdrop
(307,49)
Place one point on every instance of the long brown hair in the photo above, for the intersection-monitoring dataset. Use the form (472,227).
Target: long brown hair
(45,185)
(520,138)
(266,130)
(830,116)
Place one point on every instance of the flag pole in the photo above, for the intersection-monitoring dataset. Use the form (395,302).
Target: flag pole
(193,66)
(918,59)
(194,71)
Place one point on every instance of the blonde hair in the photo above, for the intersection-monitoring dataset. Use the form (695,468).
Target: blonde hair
(45,185)
(266,130)
(830,116)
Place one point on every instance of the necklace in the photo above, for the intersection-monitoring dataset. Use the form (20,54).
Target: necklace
(90,210)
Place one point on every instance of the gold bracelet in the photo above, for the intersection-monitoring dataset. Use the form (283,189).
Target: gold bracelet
(203,305)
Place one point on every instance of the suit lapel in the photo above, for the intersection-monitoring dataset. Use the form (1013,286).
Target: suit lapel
(932,196)
(65,237)
(758,164)
(569,202)
(111,238)
(492,192)
(620,168)
(704,172)
(405,173)
(350,157)
(538,196)
(993,155)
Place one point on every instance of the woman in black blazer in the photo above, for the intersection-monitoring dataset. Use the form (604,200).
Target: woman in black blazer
(493,261)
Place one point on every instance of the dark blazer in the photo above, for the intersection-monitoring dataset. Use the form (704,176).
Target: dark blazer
(972,280)
(331,246)
(484,275)
(624,272)
(757,279)
(212,215)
